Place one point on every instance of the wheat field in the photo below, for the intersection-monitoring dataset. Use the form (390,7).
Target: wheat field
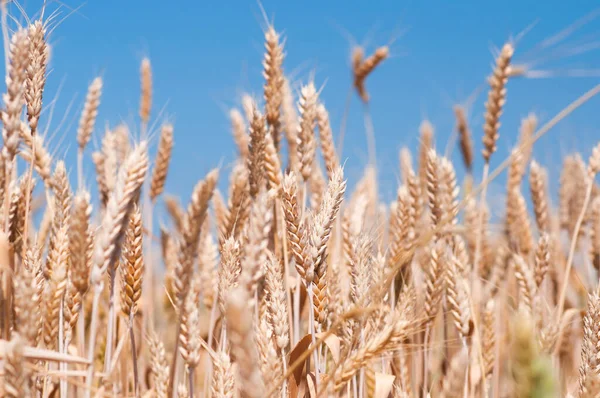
(291,283)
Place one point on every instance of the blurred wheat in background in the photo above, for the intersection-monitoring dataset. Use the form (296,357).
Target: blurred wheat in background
(291,283)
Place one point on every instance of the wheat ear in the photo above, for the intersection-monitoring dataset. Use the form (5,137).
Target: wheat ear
(273,75)
(163,158)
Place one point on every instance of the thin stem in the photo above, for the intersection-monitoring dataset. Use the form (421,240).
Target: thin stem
(296,334)
(563,292)
(311,323)
(479,238)
(7,273)
(173,370)
(62,346)
(426,360)
(136,382)
(191,382)
(92,338)
(211,330)
(111,319)
(467,371)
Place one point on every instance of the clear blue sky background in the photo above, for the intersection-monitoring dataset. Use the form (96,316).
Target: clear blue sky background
(206,53)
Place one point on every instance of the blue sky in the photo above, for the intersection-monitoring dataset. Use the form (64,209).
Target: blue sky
(204,54)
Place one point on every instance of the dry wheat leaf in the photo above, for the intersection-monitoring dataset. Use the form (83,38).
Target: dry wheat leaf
(383,385)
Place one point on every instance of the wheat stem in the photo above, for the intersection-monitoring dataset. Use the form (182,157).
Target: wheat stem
(569,264)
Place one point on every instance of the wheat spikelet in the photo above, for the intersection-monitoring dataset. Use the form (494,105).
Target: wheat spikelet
(457,294)
(296,232)
(464,135)
(273,75)
(270,366)
(388,335)
(161,165)
(241,339)
(36,73)
(81,241)
(103,191)
(56,287)
(526,281)
(159,366)
(516,170)
(471,217)
(402,235)
(239,201)
(316,185)
(132,266)
(238,129)
(406,164)
(257,240)
(189,335)
(188,250)
(71,309)
(146,88)
(229,270)
(590,364)
(538,183)
(17,213)
(208,261)
(517,222)
(276,301)
(256,152)
(434,282)
(568,181)
(61,214)
(320,233)
(42,159)
(526,131)
(307,107)
(488,320)
(107,248)
(449,190)
(362,69)
(326,138)
(14,100)
(122,145)
(361,263)
(435,194)
(425,144)
(175,211)
(221,213)
(495,101)
(542,259)
(111,160)
(223,380)
(272,164)
(89,113)
(497,272)
(594,162)
(28,290)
